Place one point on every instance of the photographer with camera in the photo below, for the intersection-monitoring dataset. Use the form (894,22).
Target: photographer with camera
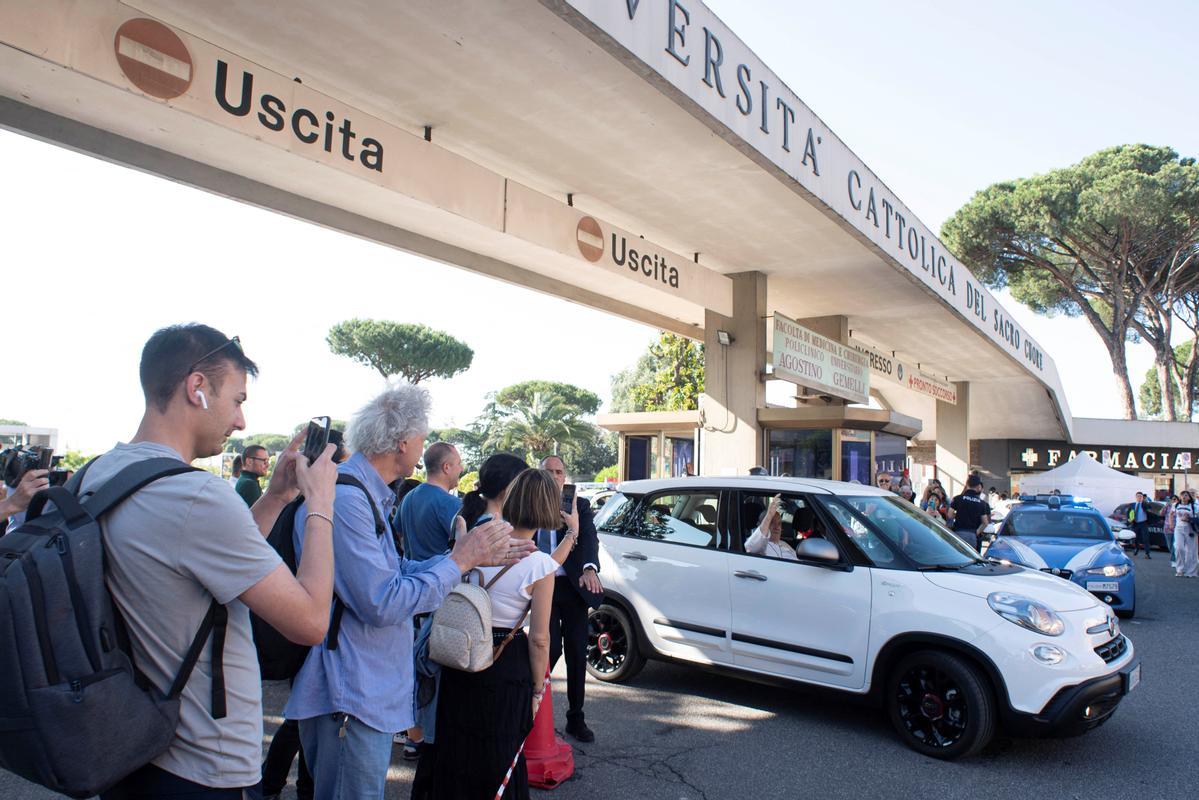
(25,472)
(27,484)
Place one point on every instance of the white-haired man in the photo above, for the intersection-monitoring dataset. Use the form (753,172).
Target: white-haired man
(350,701)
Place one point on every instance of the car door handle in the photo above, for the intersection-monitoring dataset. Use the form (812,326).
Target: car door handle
(752,575)
(635,556)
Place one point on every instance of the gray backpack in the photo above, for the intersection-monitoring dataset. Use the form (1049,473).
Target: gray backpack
(76,715)
(460,633)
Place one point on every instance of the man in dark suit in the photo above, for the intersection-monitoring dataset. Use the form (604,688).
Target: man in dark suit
(577,588)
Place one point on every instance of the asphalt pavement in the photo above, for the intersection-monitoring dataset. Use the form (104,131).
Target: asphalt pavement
(679,733)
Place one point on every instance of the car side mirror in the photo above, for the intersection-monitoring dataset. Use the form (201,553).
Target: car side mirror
(1125,535)
(818,550)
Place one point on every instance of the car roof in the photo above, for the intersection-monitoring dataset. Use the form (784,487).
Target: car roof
(1064,508)
(763,483)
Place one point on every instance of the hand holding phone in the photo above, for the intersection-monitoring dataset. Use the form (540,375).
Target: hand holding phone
(568,498)
(317,438)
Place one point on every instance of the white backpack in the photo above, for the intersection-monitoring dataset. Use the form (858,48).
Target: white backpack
(460,636)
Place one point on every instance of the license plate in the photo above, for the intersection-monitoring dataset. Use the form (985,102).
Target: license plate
(1133,679)
(1103,586)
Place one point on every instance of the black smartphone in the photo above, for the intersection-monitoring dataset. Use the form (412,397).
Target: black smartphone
(317,438)
(58,477)
(45,458)
(568,498)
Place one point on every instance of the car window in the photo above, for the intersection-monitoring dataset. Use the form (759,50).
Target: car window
(682,518)
(1062,524)
(798,518)
(614,514)
(882,525)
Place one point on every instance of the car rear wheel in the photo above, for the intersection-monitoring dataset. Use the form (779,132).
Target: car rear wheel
(613,654)
(941,705)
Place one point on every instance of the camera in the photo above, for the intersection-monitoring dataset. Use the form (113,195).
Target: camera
(16,461)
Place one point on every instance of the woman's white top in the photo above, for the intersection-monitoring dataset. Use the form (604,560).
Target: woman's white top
(759,544)
(1183,513)
(510,595)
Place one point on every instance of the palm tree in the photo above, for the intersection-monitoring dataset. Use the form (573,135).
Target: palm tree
(540,428)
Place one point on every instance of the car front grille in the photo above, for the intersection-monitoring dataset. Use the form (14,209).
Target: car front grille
(1061,573)
(1110,651)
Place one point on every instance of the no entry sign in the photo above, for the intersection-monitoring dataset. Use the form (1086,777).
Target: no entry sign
(153,58)
(591,239)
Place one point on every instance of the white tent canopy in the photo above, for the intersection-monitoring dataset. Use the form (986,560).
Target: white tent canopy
(1085,477)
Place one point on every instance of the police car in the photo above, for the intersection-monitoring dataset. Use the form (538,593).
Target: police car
(1066,537)
(880,600)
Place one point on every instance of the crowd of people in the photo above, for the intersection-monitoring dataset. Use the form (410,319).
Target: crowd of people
(370,569)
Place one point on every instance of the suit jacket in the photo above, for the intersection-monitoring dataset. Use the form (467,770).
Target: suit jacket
(586,552)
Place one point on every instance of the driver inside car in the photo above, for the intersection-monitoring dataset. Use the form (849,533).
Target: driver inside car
(766,539)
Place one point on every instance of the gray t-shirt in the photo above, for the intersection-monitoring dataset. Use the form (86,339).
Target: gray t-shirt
(172,548)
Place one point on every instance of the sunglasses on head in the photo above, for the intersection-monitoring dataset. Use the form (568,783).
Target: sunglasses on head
(235,342)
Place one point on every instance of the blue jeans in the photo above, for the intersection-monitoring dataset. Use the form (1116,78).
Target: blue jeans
(348,758)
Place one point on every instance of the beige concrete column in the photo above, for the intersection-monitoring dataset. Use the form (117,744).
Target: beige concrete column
(953,441)
(733,389)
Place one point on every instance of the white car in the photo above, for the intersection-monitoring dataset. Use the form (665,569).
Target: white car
(882,601)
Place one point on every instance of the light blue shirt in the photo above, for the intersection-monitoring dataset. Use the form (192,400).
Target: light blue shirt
(370,674)
(1140,516)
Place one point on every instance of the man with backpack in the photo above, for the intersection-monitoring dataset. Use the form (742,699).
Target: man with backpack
(184,550)
(351,699)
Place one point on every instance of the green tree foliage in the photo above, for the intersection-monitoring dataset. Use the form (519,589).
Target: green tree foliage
(414,351)
(587,456)
(523,394)
(273,442)
(668,377)
(12,422)
(610,473)
(1150,393)
(538,428)
(467,482)
(1099,239)
(73,460)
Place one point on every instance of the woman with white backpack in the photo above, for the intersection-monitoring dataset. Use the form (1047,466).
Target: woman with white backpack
(483,717)
(1186,545)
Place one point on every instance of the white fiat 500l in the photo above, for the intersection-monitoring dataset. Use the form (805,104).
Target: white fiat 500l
(880,600)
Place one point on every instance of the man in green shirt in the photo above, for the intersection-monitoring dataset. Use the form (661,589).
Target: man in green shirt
(255,463)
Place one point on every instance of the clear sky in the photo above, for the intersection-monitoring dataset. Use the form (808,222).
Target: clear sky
(939,98)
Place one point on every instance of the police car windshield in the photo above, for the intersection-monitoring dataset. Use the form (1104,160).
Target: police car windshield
(884,524)
(1063,524)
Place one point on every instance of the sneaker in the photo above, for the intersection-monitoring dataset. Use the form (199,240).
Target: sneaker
(579,730)
(412,750)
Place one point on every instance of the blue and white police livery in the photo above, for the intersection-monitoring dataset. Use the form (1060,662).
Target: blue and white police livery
(1070,539)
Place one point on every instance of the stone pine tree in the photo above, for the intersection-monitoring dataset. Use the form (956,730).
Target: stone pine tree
(413,351)
(1111,239)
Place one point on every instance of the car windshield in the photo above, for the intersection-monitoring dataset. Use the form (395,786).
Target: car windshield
(613,513)
(1062,524)
(895,525)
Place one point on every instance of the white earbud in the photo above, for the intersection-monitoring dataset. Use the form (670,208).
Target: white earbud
(203,399)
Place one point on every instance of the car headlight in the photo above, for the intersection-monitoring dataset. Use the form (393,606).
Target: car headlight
(1111,570)
(1049,654)
(1026,612)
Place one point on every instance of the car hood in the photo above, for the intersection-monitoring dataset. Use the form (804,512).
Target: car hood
(1073,554)
(1054,592)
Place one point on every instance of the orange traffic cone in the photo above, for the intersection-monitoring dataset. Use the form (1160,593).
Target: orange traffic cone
(550,760)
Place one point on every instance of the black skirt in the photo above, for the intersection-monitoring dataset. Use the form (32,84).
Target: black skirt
(482,720)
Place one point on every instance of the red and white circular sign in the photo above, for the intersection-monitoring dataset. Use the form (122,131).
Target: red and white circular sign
(590,238)
(153,58)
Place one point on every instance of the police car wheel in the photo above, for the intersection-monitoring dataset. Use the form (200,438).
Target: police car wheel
(941,705)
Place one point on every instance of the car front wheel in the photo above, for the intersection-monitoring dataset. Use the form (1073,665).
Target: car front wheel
(612,651)
(940,705)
